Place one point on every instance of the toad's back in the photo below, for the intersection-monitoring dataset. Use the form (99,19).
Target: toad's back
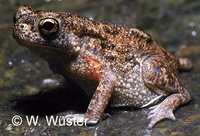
(109,61)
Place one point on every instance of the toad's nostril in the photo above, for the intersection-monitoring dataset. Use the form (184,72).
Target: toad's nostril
(22,26)
(14,18)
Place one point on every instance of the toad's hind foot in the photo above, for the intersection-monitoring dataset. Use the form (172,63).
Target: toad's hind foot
(166,108)
(185,64)
(159,112)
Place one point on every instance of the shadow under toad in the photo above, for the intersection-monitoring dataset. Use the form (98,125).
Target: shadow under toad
(52,101)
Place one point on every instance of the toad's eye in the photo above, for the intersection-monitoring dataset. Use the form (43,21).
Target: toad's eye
(49,28)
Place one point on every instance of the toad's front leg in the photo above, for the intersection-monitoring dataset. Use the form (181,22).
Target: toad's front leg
(106,79)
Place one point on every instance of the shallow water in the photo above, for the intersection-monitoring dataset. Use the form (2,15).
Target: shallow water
(174,24)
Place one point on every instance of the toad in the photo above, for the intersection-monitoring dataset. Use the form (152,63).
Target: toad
(113,63)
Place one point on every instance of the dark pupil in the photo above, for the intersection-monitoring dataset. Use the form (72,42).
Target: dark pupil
(48,26)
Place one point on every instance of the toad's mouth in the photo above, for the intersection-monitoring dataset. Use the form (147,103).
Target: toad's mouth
(38,46)
(48,53)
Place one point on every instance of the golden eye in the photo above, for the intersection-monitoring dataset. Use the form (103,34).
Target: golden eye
(49,28)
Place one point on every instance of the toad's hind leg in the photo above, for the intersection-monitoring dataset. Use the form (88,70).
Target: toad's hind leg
(159,76)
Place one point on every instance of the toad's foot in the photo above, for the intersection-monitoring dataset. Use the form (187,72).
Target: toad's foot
(185,64)
(159,112)
(166,108)
(81,118)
